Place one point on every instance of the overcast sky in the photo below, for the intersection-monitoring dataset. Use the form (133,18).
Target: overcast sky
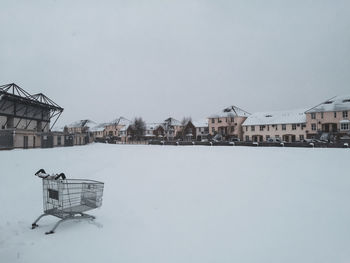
(155,59)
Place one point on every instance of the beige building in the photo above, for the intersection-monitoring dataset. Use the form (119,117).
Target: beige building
(172,128)
(228,122)
(288,126)
(113,128)
(329,120)
(98,131)
(78,132)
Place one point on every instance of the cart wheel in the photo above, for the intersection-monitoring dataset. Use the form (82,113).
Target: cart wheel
(34,226)
(49,233)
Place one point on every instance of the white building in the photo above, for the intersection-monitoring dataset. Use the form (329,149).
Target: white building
(202,129)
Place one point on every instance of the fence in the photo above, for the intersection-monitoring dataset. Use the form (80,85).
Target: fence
(253,144)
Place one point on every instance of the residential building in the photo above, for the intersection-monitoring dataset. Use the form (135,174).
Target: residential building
(150,130)
(329,120)
(79,131)
(159,131)
(228,122)
(98,131)
(288,126)
(112,129)
(189,132)
(171,128)
(202,129)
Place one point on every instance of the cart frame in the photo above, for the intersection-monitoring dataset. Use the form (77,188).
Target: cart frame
(68,199)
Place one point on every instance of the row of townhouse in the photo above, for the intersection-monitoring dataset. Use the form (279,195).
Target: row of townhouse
(328,120)
(121,129)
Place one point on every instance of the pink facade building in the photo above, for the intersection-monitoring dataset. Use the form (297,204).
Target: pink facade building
(228,122)
(329,120)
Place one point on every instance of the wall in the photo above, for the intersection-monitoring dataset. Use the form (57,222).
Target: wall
(271,131)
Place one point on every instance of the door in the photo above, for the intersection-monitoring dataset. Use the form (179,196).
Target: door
(25,142)
(334,127)
(326,127)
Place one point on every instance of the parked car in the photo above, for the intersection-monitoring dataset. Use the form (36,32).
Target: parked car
(233,139)
(314,141)
(273,140)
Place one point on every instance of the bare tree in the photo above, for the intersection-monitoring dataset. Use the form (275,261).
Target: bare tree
(184,122)
(138,128)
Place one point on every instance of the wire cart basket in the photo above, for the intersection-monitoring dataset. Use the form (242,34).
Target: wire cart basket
(69,198)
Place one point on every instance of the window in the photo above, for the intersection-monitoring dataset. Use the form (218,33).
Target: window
(301,137)
(313,116)
(232,119)
(321,115)
(252,128)
(283,127)
(345,114)
(335,114)
(246,128)
(267,137)
(294,126)
(268,127)
(261,127)
(212,129)
(232,128)
(313,126)
(58,140)
(213,120)
(344,126)
(219,121)
(247,138)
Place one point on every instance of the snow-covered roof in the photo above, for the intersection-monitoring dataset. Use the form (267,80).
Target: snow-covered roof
(276,117)
(152,126)
(231,111)
(201,123)
(338,103)
(99,127)
(80,123)
(172,122)
(58,129)
(120,121)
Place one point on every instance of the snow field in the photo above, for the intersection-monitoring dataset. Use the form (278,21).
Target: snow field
(183,204)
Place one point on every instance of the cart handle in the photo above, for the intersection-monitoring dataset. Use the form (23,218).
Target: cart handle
(62,175)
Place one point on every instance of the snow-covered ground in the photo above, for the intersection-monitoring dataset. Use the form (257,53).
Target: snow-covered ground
(183,204)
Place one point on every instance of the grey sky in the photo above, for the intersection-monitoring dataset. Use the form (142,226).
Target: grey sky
(155,59)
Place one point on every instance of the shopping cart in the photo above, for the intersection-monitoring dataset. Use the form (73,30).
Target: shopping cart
(69,198)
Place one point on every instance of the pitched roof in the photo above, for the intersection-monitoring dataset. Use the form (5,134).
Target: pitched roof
(276,117)
(119,121)
(80,123)
(337,103)
(152,126)
(231,111)
(98,127)
(201,123)
(173,122)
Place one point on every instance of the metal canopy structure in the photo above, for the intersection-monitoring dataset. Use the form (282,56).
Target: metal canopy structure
(20,100)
